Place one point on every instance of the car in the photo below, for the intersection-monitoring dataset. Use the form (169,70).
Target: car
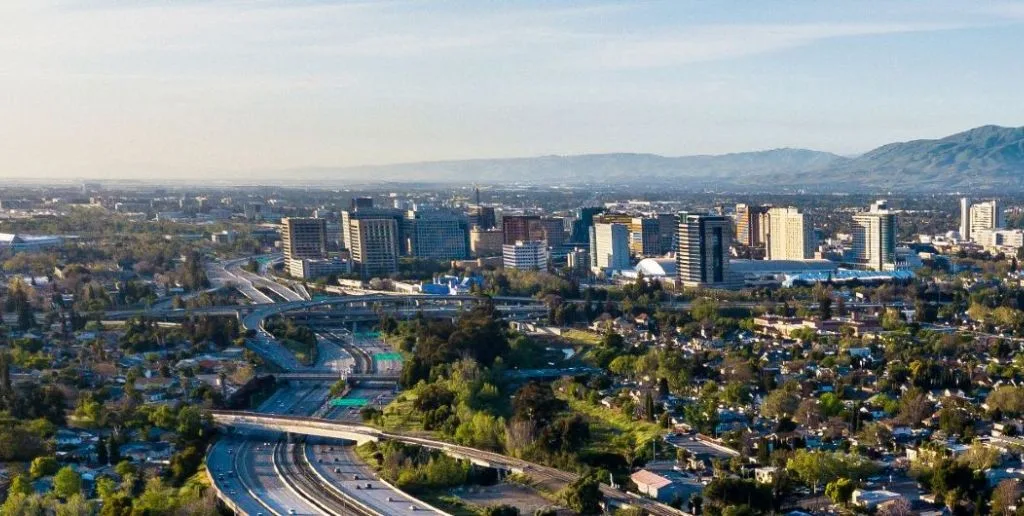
(337,459)
(320,461)
(391,499)
(330,448)
(358,487)
(412,508)
(355,476)
(291,511)
(369,485)
(337,470)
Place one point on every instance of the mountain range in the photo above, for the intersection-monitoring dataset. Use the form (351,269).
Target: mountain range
(984,158)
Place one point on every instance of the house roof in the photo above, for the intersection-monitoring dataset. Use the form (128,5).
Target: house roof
(648,478)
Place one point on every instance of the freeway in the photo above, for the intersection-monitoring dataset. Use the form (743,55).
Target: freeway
(259,488)
(550,478)
(234,267)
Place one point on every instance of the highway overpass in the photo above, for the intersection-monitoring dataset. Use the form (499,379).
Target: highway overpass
(360,434)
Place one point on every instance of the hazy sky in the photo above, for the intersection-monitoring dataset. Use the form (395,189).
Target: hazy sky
(192,88)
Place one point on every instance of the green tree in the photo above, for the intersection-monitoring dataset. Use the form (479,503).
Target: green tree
(584,495)
(67,482)
(20,484)
(839,490)
(43,466)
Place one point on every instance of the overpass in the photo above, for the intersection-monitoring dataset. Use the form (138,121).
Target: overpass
(362,434)
(330,376)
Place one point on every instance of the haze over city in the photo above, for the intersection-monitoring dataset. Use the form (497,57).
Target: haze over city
(242,90)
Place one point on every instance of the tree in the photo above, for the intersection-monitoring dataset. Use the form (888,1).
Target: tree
(43,466)
(897,507)
(500,510)
(839,491)
(101,452)
(781,402)
(20,484)
(67,482)
(584,495)
(113,451)
(1005,497)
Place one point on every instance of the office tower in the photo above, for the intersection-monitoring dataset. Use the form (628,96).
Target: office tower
(965,218)
(525,255)
(552,231)
(373,244)
(302,239)
(702,258)
(750,230)
(790,235)
(485,242)
(984,216)
(645,236)
(874,237)
(372,213)
(361,203)
(609,247)
(482,217)
(581,227)
(668,225)
(521,228)
(578,259)
(436,234)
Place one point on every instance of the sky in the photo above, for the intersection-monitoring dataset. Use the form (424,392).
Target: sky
(200,89)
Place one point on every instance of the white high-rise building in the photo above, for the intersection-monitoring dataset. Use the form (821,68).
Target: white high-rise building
(790,236)
(609,247)
(965,218)
(874,237)
(984,216)
(532,255)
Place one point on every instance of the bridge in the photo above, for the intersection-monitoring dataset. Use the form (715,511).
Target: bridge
(362,434)
(330,376)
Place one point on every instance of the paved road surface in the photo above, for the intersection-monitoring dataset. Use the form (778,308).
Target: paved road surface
(346,471)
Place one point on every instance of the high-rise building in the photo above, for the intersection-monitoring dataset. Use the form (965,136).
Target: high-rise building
(361,203)
(552,231)
(525,255)
(521,228)
(644,232)
(373,245)
(436,234)
(609,247)
(581,226)
(874,237)
(965,218)
(304,238)
(668,232)
(790,235)
(485,242)
(482,217)
(372,213)
(750,227)
(702,257)
(984,216)
(301,239)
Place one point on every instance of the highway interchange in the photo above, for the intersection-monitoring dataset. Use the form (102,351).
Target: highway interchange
(264,471)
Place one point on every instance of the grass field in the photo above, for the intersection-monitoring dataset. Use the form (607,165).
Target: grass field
(587,338)
(609,429)
(399,415)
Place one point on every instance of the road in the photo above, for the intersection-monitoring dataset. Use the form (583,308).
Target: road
(548,478)
(346,471)
(246,461)
(234,268)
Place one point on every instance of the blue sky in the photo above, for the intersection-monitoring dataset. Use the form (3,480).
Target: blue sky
(192,88)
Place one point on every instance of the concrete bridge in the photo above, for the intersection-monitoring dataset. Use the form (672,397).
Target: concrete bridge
(361,434)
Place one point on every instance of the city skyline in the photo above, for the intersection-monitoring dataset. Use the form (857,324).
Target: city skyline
(219,90)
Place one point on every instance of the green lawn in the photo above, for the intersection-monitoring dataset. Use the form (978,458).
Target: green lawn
(587,338)
(399,415)
(608,427)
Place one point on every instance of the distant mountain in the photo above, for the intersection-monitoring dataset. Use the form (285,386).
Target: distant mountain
(984,158)
(987,157)
(593,168)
